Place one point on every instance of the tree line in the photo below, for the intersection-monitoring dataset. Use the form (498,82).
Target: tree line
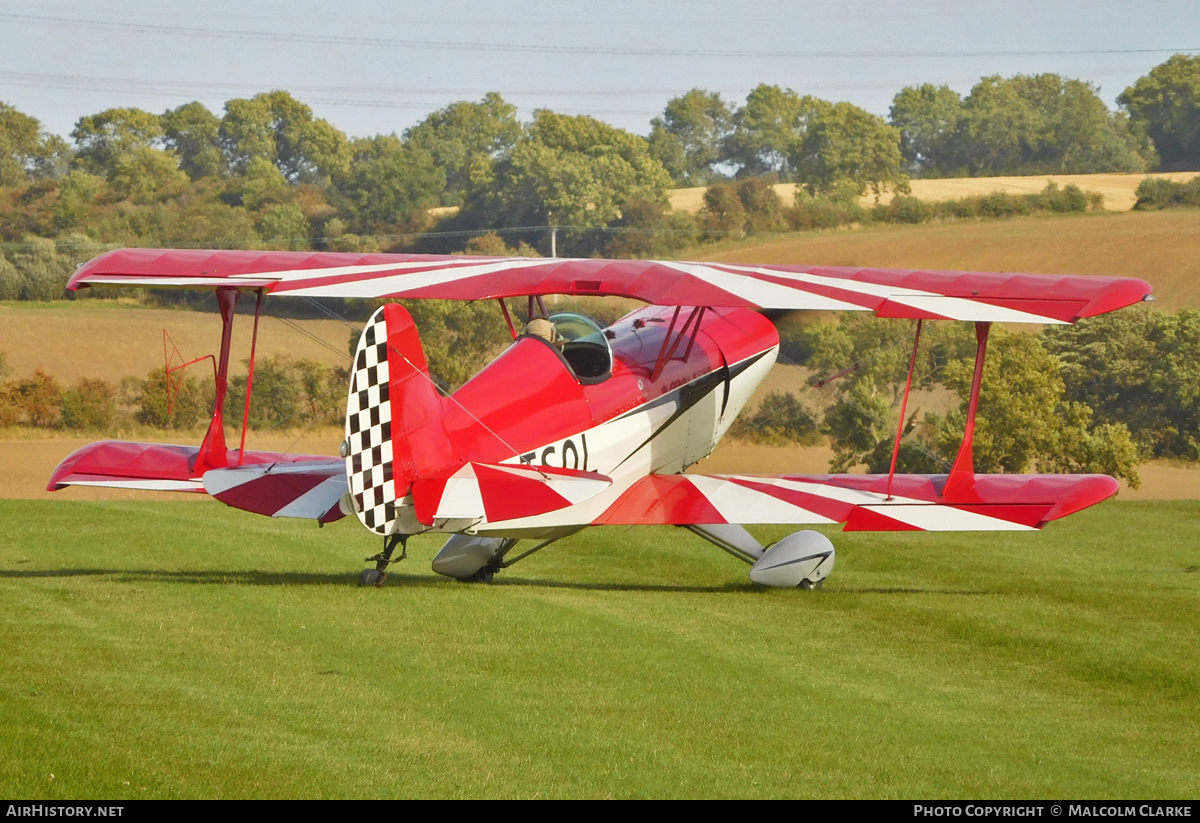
(267,173)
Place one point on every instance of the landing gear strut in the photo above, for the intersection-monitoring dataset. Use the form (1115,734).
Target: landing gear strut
(376,576)
(488,572)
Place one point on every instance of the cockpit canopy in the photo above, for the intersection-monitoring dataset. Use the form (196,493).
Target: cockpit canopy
(582,344)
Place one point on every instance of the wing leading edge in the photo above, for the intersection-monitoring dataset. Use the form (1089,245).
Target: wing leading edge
(1012,502)
(906,293)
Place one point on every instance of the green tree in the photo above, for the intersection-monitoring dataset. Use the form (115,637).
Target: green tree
(858,424)
(25,150)
(570,171)
(10,287)
(1036,124)
(779,419)
(100,139)
(146,174)
(192,132)
(79,196)
(1081,136)
(44,273)
(284,226)
(689,136)
(847,150)
(1138,368)
(1166,103)
(276,127)
(731,209)
(928,118)
(121,145)
(646,230)
(389,182)
(768,130)
(1023,421)
(459,338)
(462,136)
(261,184)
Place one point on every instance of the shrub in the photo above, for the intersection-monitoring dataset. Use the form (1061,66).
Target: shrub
(903,209)
(291,392)
(1066,200)
(90,404)
(809,212)
(33,401)
(764,212)
(1159,193)
(185,405)
(722,215)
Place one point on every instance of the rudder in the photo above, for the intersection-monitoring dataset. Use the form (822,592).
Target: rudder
(395,429)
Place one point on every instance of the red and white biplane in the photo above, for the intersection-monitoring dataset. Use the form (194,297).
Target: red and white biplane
(576,425)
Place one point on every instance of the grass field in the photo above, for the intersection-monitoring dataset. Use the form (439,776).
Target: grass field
(188,650)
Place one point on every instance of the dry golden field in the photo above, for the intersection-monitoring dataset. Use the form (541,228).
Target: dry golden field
(1118,189)
(103,338)
(1161,247)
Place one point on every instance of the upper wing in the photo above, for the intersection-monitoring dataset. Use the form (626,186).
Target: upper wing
(998,502)
(953,295)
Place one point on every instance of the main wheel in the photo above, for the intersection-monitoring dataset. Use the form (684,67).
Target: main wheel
(370,577)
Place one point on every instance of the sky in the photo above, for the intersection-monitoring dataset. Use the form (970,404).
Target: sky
(373,66)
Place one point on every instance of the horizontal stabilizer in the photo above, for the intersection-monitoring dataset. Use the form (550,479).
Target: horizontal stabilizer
(495,492)
(309,490)
(164,467)
(1002,502)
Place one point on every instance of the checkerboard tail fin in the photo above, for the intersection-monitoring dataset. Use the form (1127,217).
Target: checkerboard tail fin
(395,430)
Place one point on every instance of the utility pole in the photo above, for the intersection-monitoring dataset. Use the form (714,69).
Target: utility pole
(554,241)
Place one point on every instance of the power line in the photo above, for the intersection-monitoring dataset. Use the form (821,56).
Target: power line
(547,48)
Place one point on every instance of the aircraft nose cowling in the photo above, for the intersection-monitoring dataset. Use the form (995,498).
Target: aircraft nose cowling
(801,558)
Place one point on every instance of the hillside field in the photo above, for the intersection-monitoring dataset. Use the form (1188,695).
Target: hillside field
(1162,247)
(103,338)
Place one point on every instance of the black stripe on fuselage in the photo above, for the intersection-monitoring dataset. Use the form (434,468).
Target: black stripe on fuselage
(689,395)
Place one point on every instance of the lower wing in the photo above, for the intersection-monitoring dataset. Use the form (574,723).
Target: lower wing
(863,502)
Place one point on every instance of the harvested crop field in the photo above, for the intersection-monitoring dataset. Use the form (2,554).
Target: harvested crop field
(1119,190)
(112,340)
(1162,247)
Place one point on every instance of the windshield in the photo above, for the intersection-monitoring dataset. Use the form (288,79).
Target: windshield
(585,347)
(577,327)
